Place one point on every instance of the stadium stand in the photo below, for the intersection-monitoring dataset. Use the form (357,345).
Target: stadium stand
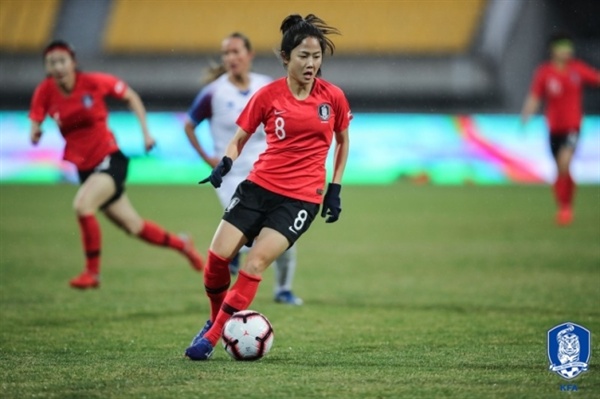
(393,55)
(384,27)
(26,25)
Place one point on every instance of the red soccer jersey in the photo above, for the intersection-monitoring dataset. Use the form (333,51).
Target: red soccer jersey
(299,134)
(80,115)
(562,92)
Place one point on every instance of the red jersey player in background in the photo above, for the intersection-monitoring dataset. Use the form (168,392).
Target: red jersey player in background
(559,83)
(75,100)
(276,204)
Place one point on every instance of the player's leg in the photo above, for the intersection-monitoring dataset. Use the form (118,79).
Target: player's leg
(564,186)
(122,213)
(226,194)
(285,268)
(241,222)
(225,245)
(267,247)
(96,189)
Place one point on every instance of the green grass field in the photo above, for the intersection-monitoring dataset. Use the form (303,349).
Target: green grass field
(417,292)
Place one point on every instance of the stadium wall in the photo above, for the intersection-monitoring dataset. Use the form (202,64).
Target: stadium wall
(385,148)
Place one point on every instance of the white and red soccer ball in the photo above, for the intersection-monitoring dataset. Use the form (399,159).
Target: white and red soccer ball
(247,335)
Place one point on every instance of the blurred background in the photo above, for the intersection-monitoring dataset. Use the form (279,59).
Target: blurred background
(435,85)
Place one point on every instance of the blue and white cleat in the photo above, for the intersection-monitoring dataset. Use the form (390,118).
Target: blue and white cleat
(202,332)
(288,298)
(200,350)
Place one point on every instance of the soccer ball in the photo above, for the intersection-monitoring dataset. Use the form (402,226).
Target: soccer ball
(247,335)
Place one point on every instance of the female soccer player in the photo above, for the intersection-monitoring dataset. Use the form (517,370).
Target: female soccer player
(559,82)
(75,100)
(281,196)
(230,86)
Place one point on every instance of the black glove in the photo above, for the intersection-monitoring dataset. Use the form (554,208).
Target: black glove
(216,176)
(332,205)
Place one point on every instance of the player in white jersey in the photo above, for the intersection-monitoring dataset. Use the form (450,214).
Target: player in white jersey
(229,88)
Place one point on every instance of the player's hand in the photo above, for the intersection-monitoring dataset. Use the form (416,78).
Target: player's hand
(149,143)
(332,204)
(35,136)
(216,176)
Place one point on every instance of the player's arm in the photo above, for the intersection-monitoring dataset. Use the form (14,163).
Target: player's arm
(332,204)
(530,107)
(190,132)
(135,104)
(37,113)
(590,75)
(35,132)
(236,145)
(342,145)
(232,152)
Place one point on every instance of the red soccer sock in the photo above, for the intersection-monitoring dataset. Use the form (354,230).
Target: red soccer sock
(91,238)
(238,298)
(216,282)
(564,188)
(569,191)
(558,190)
(154,234)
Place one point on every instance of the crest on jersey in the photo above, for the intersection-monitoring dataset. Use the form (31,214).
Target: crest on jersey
(88,101)
(554,87)
(569,347)
(324,112)
(232,204)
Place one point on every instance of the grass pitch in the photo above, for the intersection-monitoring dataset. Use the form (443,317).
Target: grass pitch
(417,292)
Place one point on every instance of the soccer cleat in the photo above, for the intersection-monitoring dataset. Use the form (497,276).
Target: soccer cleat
(85,280)
(564,216)
(201,350)
(200,335)
(190,252)
(288,298)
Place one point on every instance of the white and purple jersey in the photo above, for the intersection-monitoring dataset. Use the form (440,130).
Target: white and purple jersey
(221,102)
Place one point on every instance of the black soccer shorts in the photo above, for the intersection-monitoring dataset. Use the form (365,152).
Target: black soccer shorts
(115,165)
(560,141)
(252,208)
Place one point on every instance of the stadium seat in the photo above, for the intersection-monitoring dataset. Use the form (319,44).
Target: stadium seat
(26,25)
(368,27)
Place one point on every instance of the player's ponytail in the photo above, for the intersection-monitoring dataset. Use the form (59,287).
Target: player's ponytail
(289,22)
(295,29)
(214,70)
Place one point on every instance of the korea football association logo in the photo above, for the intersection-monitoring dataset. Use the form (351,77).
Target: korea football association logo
(324,112)
(569,350)
(87,100)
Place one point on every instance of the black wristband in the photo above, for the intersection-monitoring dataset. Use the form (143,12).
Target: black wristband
(334,189)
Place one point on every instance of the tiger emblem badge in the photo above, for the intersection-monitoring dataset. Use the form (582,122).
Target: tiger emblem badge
(324,112)
(569,349)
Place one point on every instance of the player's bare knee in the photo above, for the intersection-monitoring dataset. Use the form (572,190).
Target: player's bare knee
(255,264)
(81,207)
(131,227)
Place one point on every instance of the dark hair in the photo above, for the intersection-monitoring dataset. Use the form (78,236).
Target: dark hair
(295,29)
(559,36)
(59,44)
(214,71)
